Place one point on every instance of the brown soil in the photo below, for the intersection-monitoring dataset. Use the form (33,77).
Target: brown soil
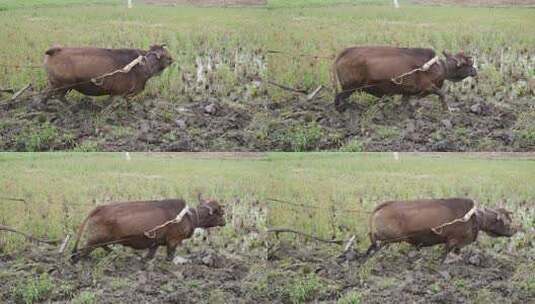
(401,274)
(224,266)
(259,125)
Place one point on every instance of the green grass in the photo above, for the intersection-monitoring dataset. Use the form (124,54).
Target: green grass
(351,298)
(15,4)
(318,3)
(360,181)
(61,188)
(303,290)
(33,290)
(319,27)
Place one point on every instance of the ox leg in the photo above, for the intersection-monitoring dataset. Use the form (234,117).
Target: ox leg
(62,96)
(405,102)
(55,93)
(340,100)
(82,253)
(107,249)
(451,245)
(372,250)
(171,248)
(151,253)
(447,249)
(442,98)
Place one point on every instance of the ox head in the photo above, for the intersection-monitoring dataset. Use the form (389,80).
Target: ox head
(459,66)
(211,213)
(159,57)
(496,222)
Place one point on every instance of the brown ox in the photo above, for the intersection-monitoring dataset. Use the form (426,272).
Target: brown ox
(454,222)
(95,71)
(145,225)
(376,70)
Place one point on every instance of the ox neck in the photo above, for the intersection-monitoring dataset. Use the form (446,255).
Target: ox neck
(446,68)
(151,64)
(194,217)
(482,219)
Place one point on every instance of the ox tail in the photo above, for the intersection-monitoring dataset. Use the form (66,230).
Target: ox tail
(79,236)
(53,50)
(371,229)
(334,77)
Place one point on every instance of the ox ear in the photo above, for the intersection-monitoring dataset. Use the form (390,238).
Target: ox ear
(504,216)
(199,197)
(156,49)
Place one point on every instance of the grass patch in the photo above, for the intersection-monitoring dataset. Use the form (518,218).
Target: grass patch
(303,289)
(352,297)
(34,290)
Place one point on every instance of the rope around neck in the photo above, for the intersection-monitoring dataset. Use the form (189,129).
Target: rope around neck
(463,219)
(425,67)
(151,234)
(98,81)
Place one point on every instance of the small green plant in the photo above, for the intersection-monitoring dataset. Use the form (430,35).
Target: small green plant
(303,137)
(85,297)
(38,139)
(217,296)
(385,132)
(529,286)
(524,130)
(352,297)
(525,280)
(460,284)
(87,146)
(303,289)
(435,287)
(484,296)
(34,290)
(525,138)
(353,145)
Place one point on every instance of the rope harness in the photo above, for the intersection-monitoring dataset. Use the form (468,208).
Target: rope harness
(151,234)
(424,68)
(98,81)
(439,229)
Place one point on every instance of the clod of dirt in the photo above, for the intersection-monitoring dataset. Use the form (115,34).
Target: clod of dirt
(210,109)
(178,260)
(531,86)
(475,259)
(446,123)
(445,274)
(476,108)
(180,123)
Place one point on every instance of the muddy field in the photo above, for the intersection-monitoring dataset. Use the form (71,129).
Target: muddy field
(221,267)
(218,96)
(400,274)
(212,275)
(215,124)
